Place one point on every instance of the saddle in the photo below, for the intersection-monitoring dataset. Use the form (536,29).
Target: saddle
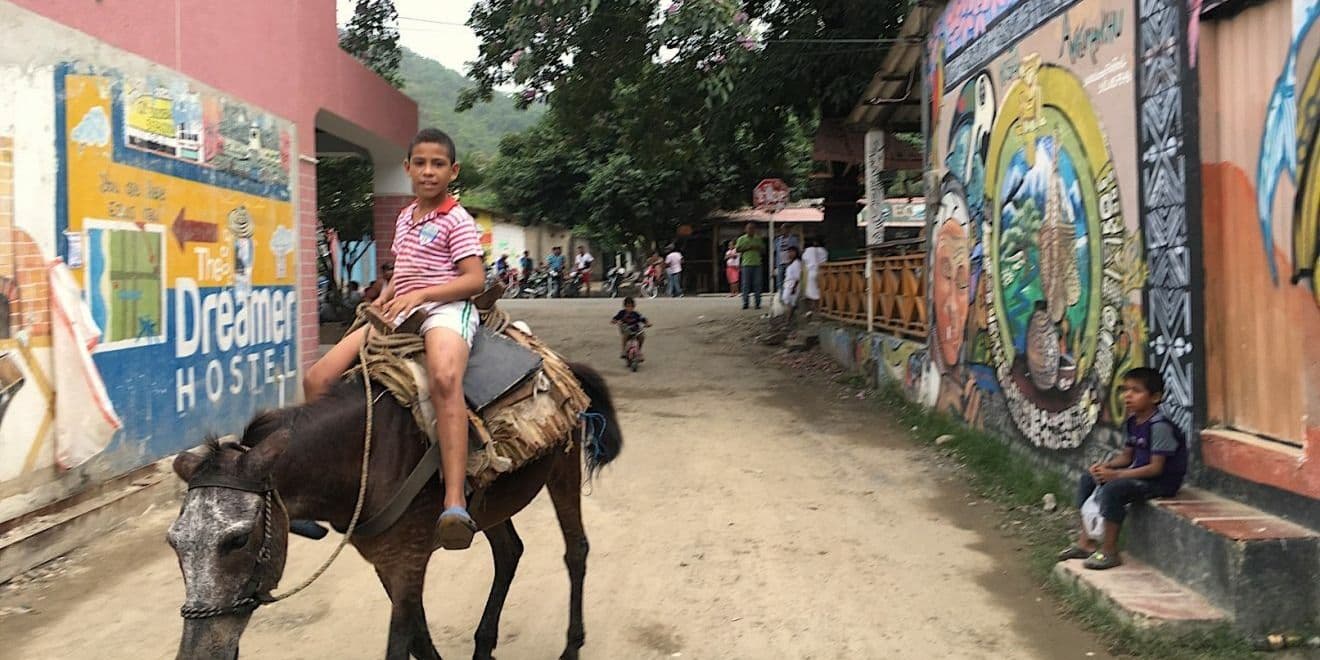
(522,398)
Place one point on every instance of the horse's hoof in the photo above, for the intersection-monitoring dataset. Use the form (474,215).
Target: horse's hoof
(569,654)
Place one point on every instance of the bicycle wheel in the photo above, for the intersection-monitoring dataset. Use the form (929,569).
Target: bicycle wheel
(514,290)
(650,289)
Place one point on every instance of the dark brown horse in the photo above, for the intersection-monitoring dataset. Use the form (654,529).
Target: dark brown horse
(304,462)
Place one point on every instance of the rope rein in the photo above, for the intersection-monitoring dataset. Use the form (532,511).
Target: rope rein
(357,508)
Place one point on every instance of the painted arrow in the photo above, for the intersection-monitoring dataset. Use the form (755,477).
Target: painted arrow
(193,231)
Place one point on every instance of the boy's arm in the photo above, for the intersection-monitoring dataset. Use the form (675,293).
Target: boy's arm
(471,281)
(1123,460)
(386,294)
(1163,444)
(1153,469)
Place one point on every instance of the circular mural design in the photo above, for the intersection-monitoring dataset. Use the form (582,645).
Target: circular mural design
(1055,231)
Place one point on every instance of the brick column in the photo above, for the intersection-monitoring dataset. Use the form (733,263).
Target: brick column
(384,214)
(308,327)
(23,279)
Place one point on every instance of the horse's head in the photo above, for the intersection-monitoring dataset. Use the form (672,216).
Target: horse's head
(231,538)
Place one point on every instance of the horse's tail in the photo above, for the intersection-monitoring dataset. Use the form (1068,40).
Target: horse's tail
(604,437)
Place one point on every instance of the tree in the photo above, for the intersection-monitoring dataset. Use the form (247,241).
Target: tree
(344,204)
(372,36)
(344,191)
(659,116)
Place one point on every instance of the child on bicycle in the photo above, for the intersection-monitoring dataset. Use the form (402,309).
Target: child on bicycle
(630,322)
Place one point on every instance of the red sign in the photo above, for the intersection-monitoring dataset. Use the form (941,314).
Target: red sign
(770,195)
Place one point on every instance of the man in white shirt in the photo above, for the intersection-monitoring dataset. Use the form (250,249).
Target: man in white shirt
(582,264)
(674,267)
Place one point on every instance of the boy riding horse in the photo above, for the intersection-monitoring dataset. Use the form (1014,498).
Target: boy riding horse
(437,268)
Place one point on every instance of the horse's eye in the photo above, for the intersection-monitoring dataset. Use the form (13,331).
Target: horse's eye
(235,542)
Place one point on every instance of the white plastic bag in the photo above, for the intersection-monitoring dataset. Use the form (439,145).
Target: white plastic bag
(1092,521)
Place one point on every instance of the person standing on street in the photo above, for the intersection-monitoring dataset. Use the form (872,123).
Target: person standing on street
(812,258)
(527,265)
(582,264)
(674,267)
(731,268)
(792,283)
(751,254)
(783,242)
(555,264)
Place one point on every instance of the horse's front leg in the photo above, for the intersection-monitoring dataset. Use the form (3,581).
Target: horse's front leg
(404,576)
(507,549)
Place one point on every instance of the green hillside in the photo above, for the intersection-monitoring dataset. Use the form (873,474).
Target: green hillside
(436,88)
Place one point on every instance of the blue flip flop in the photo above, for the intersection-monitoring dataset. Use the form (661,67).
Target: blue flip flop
(456,529)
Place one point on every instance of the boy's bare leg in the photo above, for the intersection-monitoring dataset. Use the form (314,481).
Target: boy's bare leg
(446,360)
(322,375)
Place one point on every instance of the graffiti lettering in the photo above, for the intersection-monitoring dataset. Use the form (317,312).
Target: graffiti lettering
(1086,39)
(1114,74)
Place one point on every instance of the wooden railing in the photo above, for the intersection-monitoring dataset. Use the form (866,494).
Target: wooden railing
(898,293)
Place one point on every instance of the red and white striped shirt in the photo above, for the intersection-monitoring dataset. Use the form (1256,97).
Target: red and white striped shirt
(427,252)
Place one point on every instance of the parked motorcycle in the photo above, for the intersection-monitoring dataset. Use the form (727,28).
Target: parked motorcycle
(536,286)
(614,281)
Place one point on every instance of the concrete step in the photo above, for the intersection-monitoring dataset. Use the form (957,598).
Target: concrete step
(1143,596)
(37,537)
(1262,570)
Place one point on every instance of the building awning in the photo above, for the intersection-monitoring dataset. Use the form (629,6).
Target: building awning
(893,99)
(790,214)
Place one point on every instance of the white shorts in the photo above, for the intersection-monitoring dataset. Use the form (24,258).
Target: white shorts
(461,317)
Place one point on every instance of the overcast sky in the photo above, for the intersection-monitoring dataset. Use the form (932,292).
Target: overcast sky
(434,28)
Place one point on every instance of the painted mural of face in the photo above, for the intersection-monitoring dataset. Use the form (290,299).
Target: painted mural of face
(951,278)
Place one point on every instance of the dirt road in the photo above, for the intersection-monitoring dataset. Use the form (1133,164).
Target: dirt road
(753,514)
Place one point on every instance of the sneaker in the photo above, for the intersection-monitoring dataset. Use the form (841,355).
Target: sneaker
(1100,561)
(456,529)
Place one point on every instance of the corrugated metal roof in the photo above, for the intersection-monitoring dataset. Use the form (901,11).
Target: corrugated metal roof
(893,99)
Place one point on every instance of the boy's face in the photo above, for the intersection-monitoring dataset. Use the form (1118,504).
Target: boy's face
(630,307)
(431,170)
(1137,399)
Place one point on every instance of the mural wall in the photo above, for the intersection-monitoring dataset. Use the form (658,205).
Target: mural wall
(1261,168)
(147,264)
(1057,249)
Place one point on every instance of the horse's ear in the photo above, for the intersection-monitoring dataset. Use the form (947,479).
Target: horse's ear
(261,458)
(186,464)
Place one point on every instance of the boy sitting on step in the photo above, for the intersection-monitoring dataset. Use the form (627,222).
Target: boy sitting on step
(1152,464)
(437,268)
